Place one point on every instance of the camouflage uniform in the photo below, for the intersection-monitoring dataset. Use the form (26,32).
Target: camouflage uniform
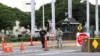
(59,34)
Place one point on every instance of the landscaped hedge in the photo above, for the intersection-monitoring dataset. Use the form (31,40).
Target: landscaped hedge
(18,39)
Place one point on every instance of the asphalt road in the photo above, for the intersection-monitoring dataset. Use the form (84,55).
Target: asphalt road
(38,51)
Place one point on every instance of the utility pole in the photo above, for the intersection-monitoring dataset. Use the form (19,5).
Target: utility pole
(53,16)
(33,17)
(88,10)
(96,19)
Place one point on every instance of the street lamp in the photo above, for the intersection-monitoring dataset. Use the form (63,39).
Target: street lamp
(66,13)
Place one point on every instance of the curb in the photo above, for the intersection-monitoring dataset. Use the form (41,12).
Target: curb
(69,45)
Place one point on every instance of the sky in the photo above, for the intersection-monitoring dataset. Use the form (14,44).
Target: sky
(18,3)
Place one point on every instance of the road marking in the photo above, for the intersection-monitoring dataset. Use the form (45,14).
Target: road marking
(26,51)
(69,50)
(56,52)
(20,52)
(48,53)
(32,51)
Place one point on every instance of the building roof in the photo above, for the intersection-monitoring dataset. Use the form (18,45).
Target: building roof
(70,21)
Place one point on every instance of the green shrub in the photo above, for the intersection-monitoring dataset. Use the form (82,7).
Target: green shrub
(11,38)
(18,39)
(36,38)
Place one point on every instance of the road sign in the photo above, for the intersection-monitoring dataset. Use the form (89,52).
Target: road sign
(80,37)
(79,27)
(52,35)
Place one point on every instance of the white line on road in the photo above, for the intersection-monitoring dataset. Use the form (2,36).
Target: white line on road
(69,50)
(27,51)
(48,53)
(20,52)
(56,52)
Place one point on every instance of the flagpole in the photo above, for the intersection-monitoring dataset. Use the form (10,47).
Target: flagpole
(53,16)
(32,17)
(88,10)
(69,8)
(43,15)
(96,19)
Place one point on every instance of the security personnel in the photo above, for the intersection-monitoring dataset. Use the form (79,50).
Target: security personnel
(59,34)
(42,34)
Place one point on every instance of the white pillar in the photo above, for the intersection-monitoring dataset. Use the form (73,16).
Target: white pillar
(53,15)
(33,17)
(69,8)
(88,10)
(43,15)
(96,19)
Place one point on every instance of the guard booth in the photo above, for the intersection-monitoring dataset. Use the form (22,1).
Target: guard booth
(69,28)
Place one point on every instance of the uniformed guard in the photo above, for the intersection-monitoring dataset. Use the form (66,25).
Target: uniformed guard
(59,34)
(42,34)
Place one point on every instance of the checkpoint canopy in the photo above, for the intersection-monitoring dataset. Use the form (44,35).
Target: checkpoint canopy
(80,37)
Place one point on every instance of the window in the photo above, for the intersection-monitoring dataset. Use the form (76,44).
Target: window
(66,28)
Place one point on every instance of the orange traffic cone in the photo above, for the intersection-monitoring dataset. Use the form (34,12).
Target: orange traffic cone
(10,48)
(31,41)
(46,47)
(22,46)
(6,48)
(3,43)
